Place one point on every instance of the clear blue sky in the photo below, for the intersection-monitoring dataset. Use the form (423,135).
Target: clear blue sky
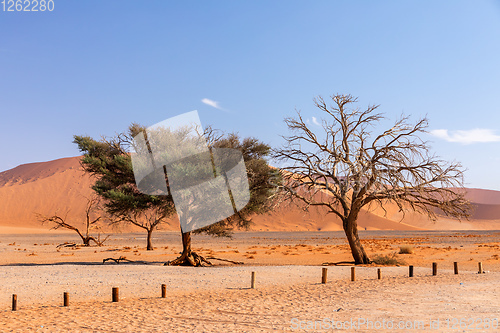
(93,67)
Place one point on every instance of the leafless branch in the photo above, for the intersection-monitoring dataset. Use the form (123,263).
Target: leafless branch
(345,167)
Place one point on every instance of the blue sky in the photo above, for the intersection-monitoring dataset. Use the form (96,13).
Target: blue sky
(93,67)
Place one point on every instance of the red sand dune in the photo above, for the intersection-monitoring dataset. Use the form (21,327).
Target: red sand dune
(47,187)
(61,186)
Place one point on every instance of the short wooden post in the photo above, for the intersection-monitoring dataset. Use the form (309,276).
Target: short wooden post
(253,280)
(455,267)
(163,291)
(353,273)
(411,270)
(379,273)
(434,268)
(324,275)
(14,302)
(480,266)
(66,299)
(115,294)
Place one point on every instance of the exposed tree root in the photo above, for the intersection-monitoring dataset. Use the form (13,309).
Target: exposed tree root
(116,260)
(191,259)
(98,241)
(66,245)
(227,260)
(86,242)
(196,260)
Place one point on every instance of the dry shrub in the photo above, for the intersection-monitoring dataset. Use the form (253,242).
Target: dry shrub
(406,249)
(388,260)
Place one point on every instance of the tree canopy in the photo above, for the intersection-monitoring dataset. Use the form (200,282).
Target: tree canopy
(109,160)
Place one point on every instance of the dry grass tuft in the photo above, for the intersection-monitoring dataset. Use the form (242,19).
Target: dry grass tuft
(406,249)
(388,260)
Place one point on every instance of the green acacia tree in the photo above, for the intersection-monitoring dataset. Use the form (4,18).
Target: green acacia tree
(109,160)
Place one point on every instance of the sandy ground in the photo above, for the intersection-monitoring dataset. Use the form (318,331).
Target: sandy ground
(288,297)
(262,248)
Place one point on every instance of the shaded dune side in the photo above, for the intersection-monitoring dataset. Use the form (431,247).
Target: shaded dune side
(486,197)
(486,212)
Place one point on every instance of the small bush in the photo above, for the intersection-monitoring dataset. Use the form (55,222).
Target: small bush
(405,249)
(388,260)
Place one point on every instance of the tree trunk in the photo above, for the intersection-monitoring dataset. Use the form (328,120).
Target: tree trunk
(186,243)
(150,245)
(86,241)
(188,257)
(357,250)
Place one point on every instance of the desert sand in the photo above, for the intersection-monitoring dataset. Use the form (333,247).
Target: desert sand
(219,299)
(216,300)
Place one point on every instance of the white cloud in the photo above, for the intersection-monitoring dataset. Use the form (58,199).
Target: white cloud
(477,135)
(213,104)
(314,121)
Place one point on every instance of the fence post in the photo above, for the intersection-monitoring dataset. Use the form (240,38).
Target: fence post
(66,299)
(324,275)
(115,292)
(14,302)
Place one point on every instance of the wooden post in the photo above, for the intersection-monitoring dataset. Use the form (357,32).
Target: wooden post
(434,268)
(480,266)
(324,275)
(14,302)
(353,273)
(379,273)
(455,267)
(253,280)
(411,270)
(66,299)
(163,291)
(115,294)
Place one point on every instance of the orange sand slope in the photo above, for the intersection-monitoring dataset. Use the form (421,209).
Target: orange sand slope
(61,186)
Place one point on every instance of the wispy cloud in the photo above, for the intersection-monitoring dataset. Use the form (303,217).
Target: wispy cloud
(313,120)
(478,135)
(213,104)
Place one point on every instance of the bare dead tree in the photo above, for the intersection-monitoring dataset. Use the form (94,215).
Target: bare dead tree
(91,222)
(344,167)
